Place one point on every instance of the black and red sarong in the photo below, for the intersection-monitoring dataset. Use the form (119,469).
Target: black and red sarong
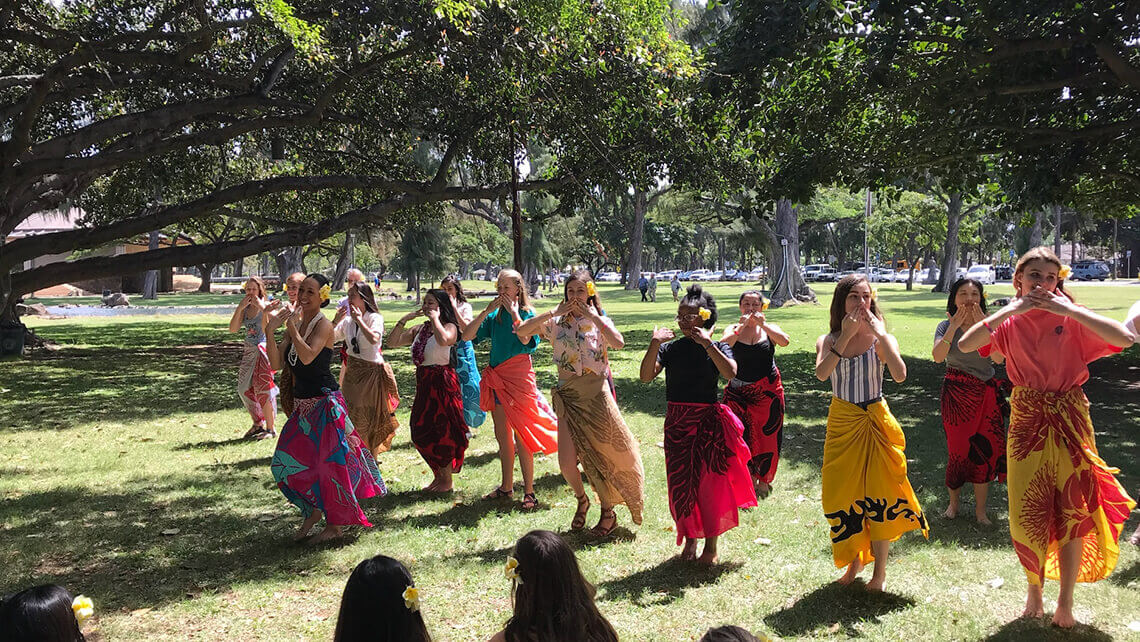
(974,416)
(438,430)
(760,407)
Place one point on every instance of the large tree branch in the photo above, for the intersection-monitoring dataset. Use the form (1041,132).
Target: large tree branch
(1119,65)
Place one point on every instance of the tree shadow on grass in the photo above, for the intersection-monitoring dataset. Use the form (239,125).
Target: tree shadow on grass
(664,583)
(834,604)
(1125,576)
(1039,630)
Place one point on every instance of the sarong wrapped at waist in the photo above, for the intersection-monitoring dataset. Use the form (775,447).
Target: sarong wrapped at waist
(438,430)
(760,407)
(320,462)
(1060,489)
(608,451)
(469,379)
(372,397)
(255,385)
(512,382)
(974,413)
(707,470)
(866,494)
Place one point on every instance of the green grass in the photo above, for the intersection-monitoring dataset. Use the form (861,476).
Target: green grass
(131,430)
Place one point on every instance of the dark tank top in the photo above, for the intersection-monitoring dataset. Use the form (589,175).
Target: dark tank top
(310,379)
(755,362)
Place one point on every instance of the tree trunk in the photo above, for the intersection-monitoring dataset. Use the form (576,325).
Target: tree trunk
(783,261)
(207,272)
(516,209)
(636,239)
(1036,236)
(239,266)
(950,253)
(150,281)
(1056,211)
(342,262)
(289,260)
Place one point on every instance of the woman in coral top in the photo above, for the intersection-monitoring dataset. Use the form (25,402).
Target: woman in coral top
(1066,510)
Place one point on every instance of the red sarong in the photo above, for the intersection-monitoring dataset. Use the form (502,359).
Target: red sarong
(438,429)
(528,414)
(760,407)
(706,467)
(974,413)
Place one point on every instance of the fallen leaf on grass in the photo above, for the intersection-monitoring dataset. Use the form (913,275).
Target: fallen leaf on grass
(142,611)
(199,425)
(763,541)
(171,531)
(267,518)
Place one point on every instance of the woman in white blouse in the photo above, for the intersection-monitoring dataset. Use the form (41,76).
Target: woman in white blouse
(367,382)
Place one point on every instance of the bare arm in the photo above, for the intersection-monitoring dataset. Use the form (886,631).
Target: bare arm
(239,314)
(888,350)
(731,334)
(979,335)
(725,366)
(472,328)
(445,335)
(1111,331)
(609,333)
(650,368)
(777,335)
(401,336)
(366,328)
(825,359)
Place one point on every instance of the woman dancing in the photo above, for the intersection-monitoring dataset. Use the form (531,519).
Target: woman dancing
(438,430)
(465,366)
(523,420)
(706,459)
(1066,509)
(255,374)
(756,394)
(866,494)
(320,465)
(974,409)
(368,385)
(590,427)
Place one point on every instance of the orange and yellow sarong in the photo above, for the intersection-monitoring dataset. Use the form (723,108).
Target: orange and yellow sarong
(1060,489)
(512,385)
(866,494)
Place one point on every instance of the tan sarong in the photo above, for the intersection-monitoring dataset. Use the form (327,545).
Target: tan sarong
(371,396)
(610,455)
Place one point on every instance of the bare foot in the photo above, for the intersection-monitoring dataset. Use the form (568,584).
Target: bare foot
(876,584)
(330,532)
(951,512)
(708,558)
(762,489)
(1063,617)
(690,551)
(307,526)
(983,520)
(1135,539)
(1034,608)
(852,572)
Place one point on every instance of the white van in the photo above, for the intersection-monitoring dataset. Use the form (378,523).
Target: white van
(982,273)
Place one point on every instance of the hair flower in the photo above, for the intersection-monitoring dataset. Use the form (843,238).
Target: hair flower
(325,292)
(83,608)
(412,598)
(874,294)
(704,314)
(764,305)
(512,569)
(590,289)
(1064,272)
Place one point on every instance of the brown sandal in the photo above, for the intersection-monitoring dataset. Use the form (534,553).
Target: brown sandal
(529,501)
(579,521)
(603,531)
(499,493)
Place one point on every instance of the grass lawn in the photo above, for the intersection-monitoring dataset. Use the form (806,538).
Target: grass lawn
(122,476)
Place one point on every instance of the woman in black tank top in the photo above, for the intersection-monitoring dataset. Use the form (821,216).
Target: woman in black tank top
(756,394)
(319,455)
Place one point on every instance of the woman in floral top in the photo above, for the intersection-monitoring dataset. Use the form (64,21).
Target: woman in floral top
(590,427)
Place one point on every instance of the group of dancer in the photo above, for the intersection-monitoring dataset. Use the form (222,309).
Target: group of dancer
(722,446)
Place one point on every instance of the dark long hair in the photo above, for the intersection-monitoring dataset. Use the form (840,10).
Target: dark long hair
(447,314)
(372,607)
(322,281)
(952,307)
(553,602)
(454,280)
(839,300)
(584,276)
(39,614)
(365,292)
(696,297)
(728,633)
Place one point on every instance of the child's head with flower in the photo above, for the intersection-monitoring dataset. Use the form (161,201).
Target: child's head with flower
(1040,268)
(380,602)
(696,309)
(579,286)
(45,613)
(553,601)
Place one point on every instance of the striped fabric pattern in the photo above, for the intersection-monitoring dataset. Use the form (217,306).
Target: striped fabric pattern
(858,379)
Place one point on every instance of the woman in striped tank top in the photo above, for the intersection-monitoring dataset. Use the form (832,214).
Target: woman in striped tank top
(867,497)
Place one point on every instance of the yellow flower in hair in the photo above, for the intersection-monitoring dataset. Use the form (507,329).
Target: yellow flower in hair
(325,292)
(764,306)
(874,294)
(83,608)
(412,598)
(704,313)
(1064,272)
(590,289)
(512,569)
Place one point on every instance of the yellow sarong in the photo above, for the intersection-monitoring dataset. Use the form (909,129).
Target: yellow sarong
(866,494)
(1060,489)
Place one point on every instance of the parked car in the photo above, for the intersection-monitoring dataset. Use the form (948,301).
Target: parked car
(608,277)
(1003,272)
(900,276)
(1088,270)
(960,273)
(699,275)
(667,275)
(983,273)
(811,272)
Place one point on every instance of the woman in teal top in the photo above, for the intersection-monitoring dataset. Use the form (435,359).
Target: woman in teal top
(508,389)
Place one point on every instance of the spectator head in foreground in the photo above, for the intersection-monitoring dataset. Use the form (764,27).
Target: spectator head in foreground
(45,613)
(380,602)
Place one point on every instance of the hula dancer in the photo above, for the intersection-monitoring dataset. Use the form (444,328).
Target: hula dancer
(1066,509)
(756,394)
(706,459)
(465,365)
(255,385)
(974,406)
(367,381)
(866,494)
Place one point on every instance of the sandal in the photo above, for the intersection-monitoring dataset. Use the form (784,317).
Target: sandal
(265,434)
(579,521)
(254,431)
(529,501)
(602,531)
(499,493)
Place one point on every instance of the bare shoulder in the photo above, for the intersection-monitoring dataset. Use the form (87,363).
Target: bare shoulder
(499,637)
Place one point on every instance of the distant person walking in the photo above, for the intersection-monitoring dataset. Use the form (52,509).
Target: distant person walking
(643,285)
(675,285)
(653,287)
